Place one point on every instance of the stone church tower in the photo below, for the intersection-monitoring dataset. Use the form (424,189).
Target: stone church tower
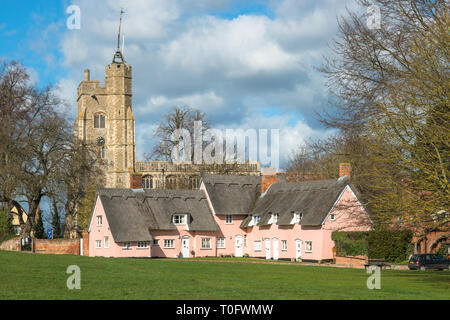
(105,118)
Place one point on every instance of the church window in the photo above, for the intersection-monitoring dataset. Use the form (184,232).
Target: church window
(147,182)
(99,121)
(103,152)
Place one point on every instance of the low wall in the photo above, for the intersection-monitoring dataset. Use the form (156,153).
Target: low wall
(352,261)
(57,246)
(10,245)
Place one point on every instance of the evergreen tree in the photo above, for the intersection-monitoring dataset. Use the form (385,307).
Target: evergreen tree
(38,228)
(56,224)
(6,227)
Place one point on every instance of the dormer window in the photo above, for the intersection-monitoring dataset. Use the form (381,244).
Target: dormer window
(99,121)
(275,217)
(298,216)
(256,219)
(179,219)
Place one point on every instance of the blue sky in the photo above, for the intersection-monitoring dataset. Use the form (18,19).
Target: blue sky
(246,64)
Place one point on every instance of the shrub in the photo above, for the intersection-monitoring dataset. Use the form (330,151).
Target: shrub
(390,245)
(350,243)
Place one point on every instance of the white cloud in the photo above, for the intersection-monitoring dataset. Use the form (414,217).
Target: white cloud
(229,68)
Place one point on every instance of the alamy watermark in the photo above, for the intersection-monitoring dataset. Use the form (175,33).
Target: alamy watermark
(73,281)
(208,146)
(374,281)
(73,22)
(374,17)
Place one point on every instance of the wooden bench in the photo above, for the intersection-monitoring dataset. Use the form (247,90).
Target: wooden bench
(377,262)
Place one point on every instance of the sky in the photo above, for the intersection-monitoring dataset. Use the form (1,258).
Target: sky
(247,64)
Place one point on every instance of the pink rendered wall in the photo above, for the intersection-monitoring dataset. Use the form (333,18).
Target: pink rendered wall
(349,216)
(115,249)
(229,232)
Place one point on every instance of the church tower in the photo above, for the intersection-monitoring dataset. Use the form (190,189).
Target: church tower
(105,118)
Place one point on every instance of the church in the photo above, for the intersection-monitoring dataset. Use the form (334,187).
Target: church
(105,117)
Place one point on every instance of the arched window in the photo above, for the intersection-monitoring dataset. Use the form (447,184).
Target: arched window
(147,182)
(171,182)
(194,182)
(103,152)
(99,121)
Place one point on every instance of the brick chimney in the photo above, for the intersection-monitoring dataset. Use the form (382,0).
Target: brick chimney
(345,169)
(269,176)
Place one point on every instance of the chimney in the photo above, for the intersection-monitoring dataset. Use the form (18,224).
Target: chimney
(87,75)
(269,176)
(345,169)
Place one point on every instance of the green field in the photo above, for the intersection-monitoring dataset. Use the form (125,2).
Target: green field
(42,276)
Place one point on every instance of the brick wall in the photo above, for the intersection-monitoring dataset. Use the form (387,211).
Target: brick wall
(57,246)
(135,181)
(352,261)
(85,244)
(10,245)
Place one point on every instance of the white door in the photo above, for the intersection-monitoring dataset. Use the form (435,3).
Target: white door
(238,246)
(298,249)
(268,255)
(275,248)
(185,247)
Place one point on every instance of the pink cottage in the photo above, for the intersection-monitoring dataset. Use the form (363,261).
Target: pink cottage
(228,215)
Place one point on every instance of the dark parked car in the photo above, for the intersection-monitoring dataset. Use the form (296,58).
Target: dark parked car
(428,261)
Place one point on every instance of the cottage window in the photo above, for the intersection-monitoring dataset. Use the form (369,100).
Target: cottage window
(106,242)
(221,243)
(179,219)
(284,245)
(155,242)
(99,220)
(275,217)
(142,244)
(257,245)
(228,219)
(126,246)
(256,219)
(169,243)
(308,245)
(206,243)
(332,217)
(98,244)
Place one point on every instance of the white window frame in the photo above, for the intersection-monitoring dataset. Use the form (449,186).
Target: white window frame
(332,217)
(98,244)
(126,246)
(221,243)
(209,242)
(142,245)
(284,245)
(182,220)
(256,219)
(99,221)
(310,245)
(155,242)
(106,241)
(167,242)
(228,219)
(257,245)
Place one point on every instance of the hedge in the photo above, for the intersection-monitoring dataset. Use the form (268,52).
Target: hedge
(390,245)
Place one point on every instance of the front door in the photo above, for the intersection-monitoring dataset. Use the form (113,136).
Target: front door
(275,248)
(268,255)
(238,246)
(298,249)
(185,247)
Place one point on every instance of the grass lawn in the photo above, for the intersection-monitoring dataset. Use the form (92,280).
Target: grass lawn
(42,276)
